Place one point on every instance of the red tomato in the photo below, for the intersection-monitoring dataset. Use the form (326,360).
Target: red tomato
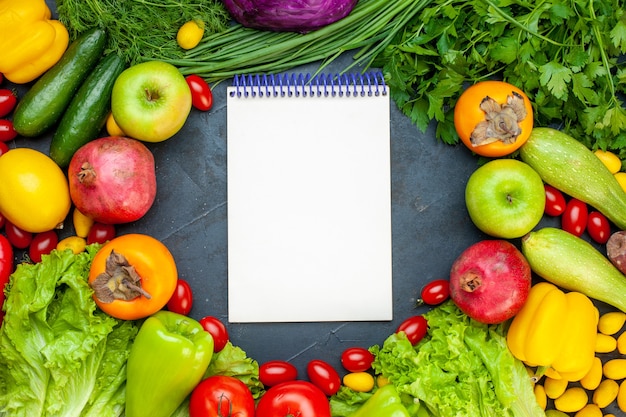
(274,372)
(415,328)
(42,244)
(598,227)
(217,329)
(555,201)
(201,95)
(4,148)
(324,376)
(221,395)
(19,238)
(182,300)
(574,218)
(2,221)
(100,233)
(357,359)
(435,292)
(293,398)
(8,100)
(6,265)
(7,131)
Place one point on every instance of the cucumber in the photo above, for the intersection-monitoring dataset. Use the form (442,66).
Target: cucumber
(87,112)
(574,264)
(571,167)
(42,105)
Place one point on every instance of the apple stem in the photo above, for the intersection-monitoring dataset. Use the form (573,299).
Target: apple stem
(86,175)
(470,281)
(151,96)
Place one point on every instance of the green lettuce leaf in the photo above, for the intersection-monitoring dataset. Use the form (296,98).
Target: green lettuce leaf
(461,368)
(59,354)
(233,361)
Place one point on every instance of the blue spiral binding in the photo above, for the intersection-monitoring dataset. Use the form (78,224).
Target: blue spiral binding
(304,84)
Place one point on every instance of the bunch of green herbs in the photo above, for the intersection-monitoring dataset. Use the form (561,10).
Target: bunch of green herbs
(141,30)
(369,28)
(565,54)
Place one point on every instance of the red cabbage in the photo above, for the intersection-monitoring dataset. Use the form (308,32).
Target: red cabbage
(288,15)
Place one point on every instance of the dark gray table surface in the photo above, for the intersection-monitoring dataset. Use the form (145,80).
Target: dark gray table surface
(430,228)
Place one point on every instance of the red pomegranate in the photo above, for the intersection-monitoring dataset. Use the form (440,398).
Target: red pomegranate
(490,281)
(113,180)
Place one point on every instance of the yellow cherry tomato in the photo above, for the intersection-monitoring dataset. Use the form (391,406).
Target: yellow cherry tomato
(610,160)
(573,400)
(190,34)
(621,179)
(381,381)
(113,129)
(606,393)
(34,192)
(76,244)
(82,223)
(611,322)
(359,381)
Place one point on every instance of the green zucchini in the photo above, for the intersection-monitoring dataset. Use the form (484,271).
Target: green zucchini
(574,264)
(87,112)
(570,166)
(44,103)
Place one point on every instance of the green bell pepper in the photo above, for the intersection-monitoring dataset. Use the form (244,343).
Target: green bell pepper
(385,402)
(168,358)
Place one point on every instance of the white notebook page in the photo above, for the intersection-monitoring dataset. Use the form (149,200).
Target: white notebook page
(309,208)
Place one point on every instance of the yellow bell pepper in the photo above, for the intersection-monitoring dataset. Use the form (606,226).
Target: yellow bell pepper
(30,41)
(555,331)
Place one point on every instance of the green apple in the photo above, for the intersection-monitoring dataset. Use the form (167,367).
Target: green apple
(151,101)
(505,198)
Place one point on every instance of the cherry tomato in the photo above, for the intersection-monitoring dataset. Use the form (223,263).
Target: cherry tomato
(324,376)
(359,381)
(217,329)
(42,244)
(221,395)
(555,201)
(19,238)
(274,372)
(8,100)
(414,328)
(4,148)
(182,300)
(100,233)
(435,292)
(6,265)
(2,220)
(201,95)
(598,227)
(357,359)
(574,218)
(293,398)
(7,131)
(468,114)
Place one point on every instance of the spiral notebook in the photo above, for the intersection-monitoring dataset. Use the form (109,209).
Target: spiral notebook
(309,198)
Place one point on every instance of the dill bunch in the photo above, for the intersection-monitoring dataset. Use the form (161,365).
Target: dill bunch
(140,30)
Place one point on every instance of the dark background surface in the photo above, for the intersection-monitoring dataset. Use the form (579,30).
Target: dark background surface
(430,228)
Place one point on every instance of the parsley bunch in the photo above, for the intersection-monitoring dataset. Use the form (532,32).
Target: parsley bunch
(567,55)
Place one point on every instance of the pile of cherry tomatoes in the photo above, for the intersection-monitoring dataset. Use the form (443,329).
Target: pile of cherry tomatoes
(576,217)
(8,101)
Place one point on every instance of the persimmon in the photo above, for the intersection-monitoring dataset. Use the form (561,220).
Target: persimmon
(493,118)
(133,276)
